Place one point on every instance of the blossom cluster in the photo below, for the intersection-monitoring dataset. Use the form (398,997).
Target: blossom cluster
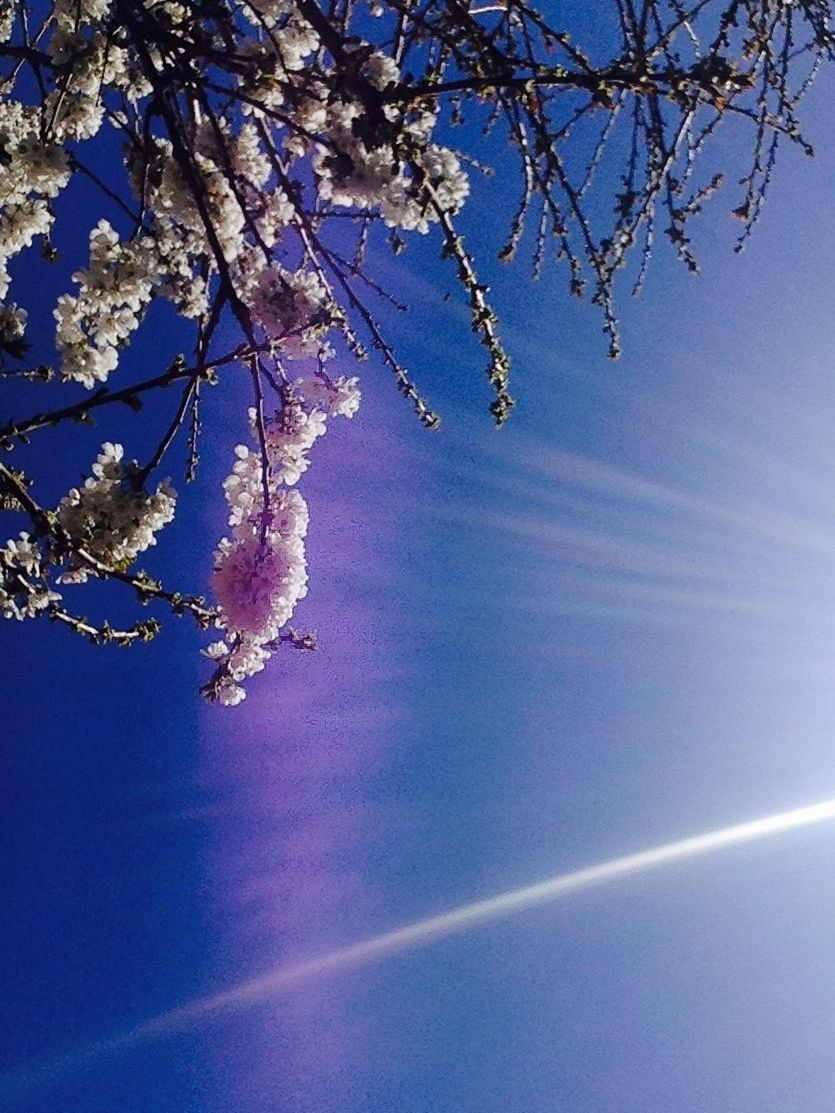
(226,202)
(110,518)
(261,570)
(102,527)
(383,160)
(24,586)
(113,292)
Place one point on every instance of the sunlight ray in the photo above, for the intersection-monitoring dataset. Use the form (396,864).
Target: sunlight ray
(379,947)
(492,908)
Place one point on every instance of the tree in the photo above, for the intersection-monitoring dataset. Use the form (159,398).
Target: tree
(244,158)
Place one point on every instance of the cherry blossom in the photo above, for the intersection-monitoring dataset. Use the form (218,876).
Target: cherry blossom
(243,164)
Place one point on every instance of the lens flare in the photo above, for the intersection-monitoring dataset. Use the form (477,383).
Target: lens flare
(378,947)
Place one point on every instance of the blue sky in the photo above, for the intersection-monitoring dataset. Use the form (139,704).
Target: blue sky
(604,628)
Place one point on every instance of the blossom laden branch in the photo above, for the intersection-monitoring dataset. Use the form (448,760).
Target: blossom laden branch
(270,151)
(78,540)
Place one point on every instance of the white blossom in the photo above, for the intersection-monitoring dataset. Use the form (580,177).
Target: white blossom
(114,291)
(24,591)
(109,518)
(261,570)
(12,324)
(337,397)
